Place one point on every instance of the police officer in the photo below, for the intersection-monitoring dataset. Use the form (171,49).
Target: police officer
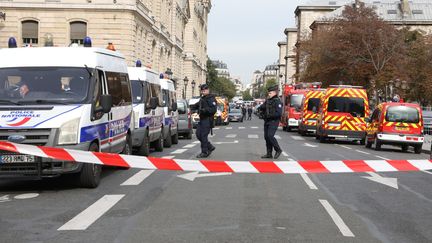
(271,112)
(206,108)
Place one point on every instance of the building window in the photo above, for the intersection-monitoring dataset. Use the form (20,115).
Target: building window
(78,31)
(30,30)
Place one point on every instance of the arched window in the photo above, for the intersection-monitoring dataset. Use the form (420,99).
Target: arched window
(78,31)
(30,32)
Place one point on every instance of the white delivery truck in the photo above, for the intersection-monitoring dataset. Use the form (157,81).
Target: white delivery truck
(148,111)
(170,121)
(71,97)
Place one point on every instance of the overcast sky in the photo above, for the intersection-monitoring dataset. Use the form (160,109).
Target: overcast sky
(244,33)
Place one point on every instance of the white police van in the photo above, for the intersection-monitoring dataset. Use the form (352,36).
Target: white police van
(148,111)
(170,121)
(71,97)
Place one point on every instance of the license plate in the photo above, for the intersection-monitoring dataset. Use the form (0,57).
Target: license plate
(17,158)
(402,128)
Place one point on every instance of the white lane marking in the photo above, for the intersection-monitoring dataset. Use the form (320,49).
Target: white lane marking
(27,196)
(178,151)
(278,137)
(285,154)
(190,145)
(381,157)
(336,219)
(228,128)
(241,127)
(427,172)
(254,127)
(4,198)
(87,217)
(193,175)
(168,157)
(235,141)
(363,152)
(215,128)
(252,136)
(297,138)
(310,145)
(196,142)
(309,182)
(343,146)
(137,178)
(231,136)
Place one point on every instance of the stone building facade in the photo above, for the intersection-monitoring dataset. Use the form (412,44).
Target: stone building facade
(163,34)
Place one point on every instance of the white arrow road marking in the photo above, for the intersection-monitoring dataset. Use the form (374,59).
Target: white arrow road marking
(193,175)
(252,136)
(87,217)
(137,178)
(236,141)
(4,198)
(388,181)
(337,219)
(310,145)
(231,136)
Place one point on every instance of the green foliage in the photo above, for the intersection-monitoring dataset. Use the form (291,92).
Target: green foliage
(270,83)
(218,85)
(246,95)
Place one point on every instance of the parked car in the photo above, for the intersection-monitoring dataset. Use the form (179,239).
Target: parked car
(185,119)
(235,115)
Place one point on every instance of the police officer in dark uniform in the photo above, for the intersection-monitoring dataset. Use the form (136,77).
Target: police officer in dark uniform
(271,112)
(206,108)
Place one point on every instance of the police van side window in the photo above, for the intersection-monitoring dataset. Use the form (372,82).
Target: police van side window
(118,87)
(156,92)
(147,95)
(97,92)
(166,99)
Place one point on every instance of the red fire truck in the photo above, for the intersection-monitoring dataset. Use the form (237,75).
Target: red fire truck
(292,98)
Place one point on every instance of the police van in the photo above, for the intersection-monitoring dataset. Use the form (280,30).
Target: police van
(70,97)
(170,120)
(148,111)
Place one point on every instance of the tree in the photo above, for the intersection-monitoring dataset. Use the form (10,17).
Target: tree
(246,95)
(219,85)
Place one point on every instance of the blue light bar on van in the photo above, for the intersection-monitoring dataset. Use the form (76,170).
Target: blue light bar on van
(138,63)
(12,43)
(161,76)
(87,42)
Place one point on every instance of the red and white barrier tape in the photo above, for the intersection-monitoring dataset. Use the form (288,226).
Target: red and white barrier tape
(281,167)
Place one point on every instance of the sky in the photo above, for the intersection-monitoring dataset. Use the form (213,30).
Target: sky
(244,33)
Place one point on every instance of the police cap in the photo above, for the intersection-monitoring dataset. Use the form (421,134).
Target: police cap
(273,88)
(204,86)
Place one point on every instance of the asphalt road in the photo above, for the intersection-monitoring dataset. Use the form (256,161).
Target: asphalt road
(159,206)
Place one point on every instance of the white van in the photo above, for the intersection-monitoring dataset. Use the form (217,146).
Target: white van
(71,97)
(148,111)
(170,121)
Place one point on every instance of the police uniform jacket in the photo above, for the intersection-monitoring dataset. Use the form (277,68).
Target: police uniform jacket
(271,110)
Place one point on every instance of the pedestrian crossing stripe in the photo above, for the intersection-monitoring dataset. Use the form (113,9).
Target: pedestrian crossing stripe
(273,167)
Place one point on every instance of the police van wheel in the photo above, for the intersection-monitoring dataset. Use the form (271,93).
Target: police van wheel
(158,144)
(144,150)
(128,146)
(189,135)
(288,129)
(368,143)
(404,148)
(418,149)
(175,138)
(168,141)
(89,177)
(363,141)
(322,139)
(377,145)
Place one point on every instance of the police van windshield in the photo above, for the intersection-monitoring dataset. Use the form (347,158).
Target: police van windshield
(137,92)
(45,85)
(296,100)
(221,107)
(313,102)
(354,106)
(402,114)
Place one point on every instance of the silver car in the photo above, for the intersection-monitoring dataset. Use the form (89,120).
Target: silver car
(185,120)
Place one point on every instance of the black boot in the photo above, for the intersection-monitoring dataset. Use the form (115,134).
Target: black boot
(277,154)
(267,156)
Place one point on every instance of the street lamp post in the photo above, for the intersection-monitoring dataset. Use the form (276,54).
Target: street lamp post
(186,80)
(193,87)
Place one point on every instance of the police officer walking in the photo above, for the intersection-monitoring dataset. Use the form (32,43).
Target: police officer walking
(271,112)
(206,108)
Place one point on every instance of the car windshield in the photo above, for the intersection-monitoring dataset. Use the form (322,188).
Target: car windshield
(44,85)
(402,114)
(181,107)
(296,100)
(354,106)
(137,92)
(234,111)
(313,103)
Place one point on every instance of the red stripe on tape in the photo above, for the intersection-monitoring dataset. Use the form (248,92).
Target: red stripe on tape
(358,166)
(57,153)
(164,164)
(111,159)
(9,147)
(402,165)
(217,166)
(266,167)
(313,167)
